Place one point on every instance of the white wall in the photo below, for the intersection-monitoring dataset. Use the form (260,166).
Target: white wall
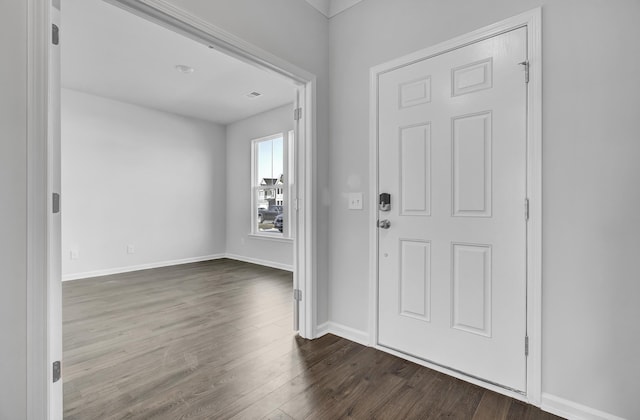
(590,176)
(13,209)
(134,175)
(240,243)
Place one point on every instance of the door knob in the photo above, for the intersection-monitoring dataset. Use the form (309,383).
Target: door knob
(384,224)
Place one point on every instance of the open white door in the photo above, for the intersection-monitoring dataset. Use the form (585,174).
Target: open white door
(54,222)
(292,182)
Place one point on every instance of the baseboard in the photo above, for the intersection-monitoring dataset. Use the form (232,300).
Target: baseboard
(572,410)
(258,261)
(351,334)
(322,329)
(119,270)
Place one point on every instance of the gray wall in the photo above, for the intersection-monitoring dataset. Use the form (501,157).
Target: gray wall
(134,175)
(239,135)
(13,208)
(591,57)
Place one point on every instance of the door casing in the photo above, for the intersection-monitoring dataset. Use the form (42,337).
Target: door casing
(532,21)
(39,329)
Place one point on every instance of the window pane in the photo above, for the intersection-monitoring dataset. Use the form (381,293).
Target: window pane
(269,216)
(270,197)
(270,159)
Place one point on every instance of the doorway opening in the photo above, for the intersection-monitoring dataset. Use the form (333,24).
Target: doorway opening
(44,325)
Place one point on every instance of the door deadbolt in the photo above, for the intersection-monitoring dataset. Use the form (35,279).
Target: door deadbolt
(384,224)
(384,203)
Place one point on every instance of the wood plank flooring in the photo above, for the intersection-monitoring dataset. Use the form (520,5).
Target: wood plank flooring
(214,340)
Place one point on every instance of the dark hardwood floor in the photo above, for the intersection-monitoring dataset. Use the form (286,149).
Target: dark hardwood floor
(214,340)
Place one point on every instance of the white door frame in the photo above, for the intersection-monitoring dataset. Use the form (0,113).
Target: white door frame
(532,21)
(38,201)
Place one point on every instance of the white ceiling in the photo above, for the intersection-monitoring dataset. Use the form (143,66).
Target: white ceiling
(110,52)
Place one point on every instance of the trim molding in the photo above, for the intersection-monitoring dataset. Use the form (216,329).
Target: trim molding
(572,410)
(532,20)
(128,269)
(339,6)
(351,334)
(258,261)
(330,8)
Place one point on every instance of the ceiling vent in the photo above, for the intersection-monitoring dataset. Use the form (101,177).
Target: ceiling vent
(253,94)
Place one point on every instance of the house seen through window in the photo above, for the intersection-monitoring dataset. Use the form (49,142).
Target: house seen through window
(271,188)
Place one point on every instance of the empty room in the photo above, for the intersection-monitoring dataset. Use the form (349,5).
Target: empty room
(321,209)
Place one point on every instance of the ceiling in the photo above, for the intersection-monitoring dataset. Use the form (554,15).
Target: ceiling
(330,8)
(110,52)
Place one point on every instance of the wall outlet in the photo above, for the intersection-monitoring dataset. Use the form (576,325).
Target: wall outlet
(74,254)
(131,249)
(355,201)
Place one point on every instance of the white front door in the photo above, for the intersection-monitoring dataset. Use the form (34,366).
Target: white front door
(452,155)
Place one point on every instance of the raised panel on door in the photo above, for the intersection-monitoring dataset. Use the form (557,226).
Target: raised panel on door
(472,165)
(415,281)
(415,170)
(471,288)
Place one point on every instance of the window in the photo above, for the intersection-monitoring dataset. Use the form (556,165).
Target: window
(272,163)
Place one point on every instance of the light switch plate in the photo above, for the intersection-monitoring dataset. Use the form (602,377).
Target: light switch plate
(355,201)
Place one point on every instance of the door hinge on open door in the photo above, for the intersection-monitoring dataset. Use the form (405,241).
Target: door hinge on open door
(526,70)
(526,209)
(297,295)
(56,371)
(297,114)
(526,345)
(55,34)
(55,203)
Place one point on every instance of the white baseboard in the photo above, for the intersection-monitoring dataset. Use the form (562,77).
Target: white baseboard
(258,261)
(351,334)
(109,271)
(322,329)
(572,410)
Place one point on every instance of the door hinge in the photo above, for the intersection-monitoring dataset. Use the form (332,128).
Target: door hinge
(55,34)
(526,345)
(526,70)
(297,114)
(56,371)
(526,209)
(297,295)
(55,203)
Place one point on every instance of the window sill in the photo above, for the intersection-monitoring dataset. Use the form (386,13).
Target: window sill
(266,236)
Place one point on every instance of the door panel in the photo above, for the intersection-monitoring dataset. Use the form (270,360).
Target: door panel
(415,279)
(452,154)
(415,170)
